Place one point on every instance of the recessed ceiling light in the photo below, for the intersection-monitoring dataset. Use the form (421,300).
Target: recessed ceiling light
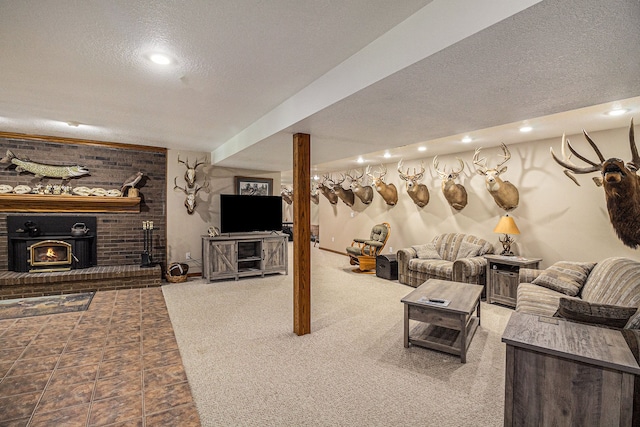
(73,124)
(160,58)
(386,155)
(316,177)
(360,160)
(526,129)
(467,139)
(422,148)
(617,112)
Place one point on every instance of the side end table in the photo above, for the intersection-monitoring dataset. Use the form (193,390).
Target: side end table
(502,277)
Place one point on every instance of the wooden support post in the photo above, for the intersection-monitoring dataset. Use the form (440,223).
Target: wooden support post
(301,234)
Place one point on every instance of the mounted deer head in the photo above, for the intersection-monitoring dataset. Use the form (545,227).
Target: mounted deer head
(455,194)
(419,193)
(287,195)
(364,193)
(504,193)
(621,185)
(345,195)
(190,202)
(327,192)
(315,194)
(388,191)
(190,173)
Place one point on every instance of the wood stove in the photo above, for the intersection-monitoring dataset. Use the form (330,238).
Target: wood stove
(50,255)
(52,247)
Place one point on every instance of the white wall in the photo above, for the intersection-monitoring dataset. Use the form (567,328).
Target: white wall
(184,231)
(557,219)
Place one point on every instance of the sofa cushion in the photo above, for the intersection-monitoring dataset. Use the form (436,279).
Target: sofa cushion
(468,250)
(433,267)
(448,244)
(565,276)
(593,313)
(614,281)
(535,299)
(427,251)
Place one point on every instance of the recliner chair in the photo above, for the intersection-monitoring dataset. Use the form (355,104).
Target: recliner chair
(363,252)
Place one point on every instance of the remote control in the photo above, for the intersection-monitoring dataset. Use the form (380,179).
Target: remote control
(439,301)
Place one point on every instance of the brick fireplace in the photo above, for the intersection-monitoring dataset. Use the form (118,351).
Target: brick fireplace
(119,242)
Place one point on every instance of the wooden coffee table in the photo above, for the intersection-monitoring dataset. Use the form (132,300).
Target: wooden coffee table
(447,328)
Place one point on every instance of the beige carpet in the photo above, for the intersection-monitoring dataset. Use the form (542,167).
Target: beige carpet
(247,368)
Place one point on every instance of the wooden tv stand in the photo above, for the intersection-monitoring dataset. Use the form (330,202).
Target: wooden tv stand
(231,256)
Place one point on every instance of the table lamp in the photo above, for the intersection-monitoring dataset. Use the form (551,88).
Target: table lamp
(506,226)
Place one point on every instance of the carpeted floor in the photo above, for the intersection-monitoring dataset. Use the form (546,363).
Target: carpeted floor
(40,306)
(246,367)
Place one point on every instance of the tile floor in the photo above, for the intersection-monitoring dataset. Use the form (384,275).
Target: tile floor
(116,364)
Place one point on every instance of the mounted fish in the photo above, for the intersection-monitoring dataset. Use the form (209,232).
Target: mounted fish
(41,170)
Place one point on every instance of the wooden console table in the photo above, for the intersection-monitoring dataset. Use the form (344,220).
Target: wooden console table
(232,256)
(564,373)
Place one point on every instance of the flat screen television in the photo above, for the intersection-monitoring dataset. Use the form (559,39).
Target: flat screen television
(241,213)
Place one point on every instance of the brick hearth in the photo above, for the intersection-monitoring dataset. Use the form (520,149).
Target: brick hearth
(22,285)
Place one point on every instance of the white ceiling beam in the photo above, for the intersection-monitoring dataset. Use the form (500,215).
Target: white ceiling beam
(436,26)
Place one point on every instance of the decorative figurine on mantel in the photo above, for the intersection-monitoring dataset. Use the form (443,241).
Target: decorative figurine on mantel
(130,185)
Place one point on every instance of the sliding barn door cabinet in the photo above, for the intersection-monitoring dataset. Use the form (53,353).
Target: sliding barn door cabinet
(240,255)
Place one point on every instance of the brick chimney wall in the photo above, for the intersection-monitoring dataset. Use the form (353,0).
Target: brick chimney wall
(119,234)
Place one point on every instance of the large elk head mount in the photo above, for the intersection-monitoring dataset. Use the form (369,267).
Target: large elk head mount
(388,191)
(327,191)
(363,192)
(455,193)
(346,195)
(190,202)
(504,193)
(287,195)
(190,173)
(419,193)
(621,185)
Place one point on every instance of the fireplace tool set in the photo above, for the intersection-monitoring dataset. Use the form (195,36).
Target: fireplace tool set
(147,254)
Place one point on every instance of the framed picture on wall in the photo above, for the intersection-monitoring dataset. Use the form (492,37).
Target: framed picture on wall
(249,186)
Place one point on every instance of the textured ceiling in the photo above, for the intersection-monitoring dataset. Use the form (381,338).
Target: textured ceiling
(239,61)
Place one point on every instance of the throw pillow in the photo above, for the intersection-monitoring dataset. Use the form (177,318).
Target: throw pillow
(566,277)
(614,316)
(468,250)
(427,251)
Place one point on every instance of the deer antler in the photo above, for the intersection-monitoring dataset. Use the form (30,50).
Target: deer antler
(177,187)
(635,158)
(481,163)
(198,163)
(403,176)
(457,172)
(383,171)
(568,164)
(442,174)
(368,172)
(418,176)
(506,156)
(203,187)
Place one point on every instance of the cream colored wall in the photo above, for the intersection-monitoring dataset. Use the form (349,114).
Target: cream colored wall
(557,219)
(184,231)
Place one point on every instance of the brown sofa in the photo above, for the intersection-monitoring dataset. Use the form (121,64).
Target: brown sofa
(451,256)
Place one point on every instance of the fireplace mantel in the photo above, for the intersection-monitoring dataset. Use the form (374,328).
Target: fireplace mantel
(67,203)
